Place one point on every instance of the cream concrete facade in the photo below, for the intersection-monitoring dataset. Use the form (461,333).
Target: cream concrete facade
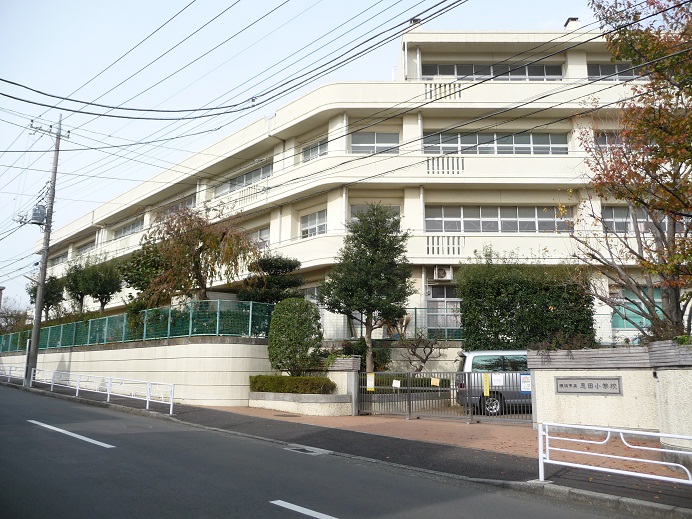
(306,162)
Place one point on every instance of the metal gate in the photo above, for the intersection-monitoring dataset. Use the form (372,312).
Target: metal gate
(447,394)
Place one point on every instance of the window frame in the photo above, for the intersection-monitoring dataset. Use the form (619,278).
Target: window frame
(379,145)
(497,219)
(309,229)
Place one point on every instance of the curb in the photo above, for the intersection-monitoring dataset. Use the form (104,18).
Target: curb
(607,501)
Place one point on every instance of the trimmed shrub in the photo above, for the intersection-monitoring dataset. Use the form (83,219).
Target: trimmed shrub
(295,336)
(300,385)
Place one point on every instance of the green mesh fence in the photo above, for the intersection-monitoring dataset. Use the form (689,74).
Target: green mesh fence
(14,341)
(242,319)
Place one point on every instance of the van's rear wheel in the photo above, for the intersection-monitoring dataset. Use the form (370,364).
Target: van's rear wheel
(492,405)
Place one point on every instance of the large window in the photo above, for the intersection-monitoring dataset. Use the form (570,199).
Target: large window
(491,219)
(613,71)
(130,228)
(621,219)
(241,181)
(313,224)
(608,139)
(374,142)
(260,237)
(500,72)
(315,150)
(628,317)
(58,259)
(496,143)
(443,312)
(87,247)
(187,202)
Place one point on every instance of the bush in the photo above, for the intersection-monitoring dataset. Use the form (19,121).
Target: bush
(382,355)
(295,336)
(300,385)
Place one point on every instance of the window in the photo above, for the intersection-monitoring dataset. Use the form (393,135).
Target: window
(621,219)
(613,71)
(315,150)
(616,219)
(374,142)
(187,202)
(443,312)
(607,139)
(311,294)
(130,228)
(58,259)
(84,249)
(499,72)
(241,181)
(506,219)
(313,224)
(496,143)
(260,237)
(486,363)
(630,309)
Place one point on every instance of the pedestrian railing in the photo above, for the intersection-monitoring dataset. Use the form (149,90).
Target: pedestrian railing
(144,390)
(12,371)
(585,449)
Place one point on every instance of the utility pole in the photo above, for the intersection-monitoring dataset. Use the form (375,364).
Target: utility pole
(32,354)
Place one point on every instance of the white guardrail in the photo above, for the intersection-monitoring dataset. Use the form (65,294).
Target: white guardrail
(10,372)
(121,387)
(556,432)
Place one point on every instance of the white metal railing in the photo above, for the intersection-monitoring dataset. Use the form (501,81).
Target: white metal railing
(122,387)
(12,372)
(552,431)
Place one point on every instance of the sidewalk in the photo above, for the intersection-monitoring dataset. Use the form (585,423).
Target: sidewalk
(504,452)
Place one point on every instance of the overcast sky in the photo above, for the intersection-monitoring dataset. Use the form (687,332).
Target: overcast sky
(88,50)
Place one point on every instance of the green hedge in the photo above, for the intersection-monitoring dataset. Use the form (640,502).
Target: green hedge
(301,385)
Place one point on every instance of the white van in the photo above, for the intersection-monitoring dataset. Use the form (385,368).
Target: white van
(506,388)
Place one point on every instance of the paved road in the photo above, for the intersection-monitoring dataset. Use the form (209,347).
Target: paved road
(119,465)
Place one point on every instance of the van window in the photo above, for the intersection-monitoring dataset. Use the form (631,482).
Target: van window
(516,363)
(487,363)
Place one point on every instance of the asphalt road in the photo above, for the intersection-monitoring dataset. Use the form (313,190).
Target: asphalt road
(62,459)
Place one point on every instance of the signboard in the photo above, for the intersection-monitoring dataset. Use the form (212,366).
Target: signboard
(525,383)
(497,379)
(396,383)
(435,382)
(370,381)
(588,385)
(486,384)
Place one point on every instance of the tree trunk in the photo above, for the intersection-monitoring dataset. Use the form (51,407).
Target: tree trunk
(369,360)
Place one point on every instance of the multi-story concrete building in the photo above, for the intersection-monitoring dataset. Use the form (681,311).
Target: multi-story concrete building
(476,143)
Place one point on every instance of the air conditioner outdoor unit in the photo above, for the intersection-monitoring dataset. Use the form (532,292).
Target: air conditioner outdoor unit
(443,273)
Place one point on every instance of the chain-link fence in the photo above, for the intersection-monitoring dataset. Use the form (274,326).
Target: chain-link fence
(234,318)
(220,317)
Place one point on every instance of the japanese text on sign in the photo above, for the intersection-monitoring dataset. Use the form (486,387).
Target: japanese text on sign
(589,385)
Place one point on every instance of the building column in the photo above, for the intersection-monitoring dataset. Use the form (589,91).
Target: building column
(338,134)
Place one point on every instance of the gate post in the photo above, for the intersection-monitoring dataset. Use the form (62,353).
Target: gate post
(408,395)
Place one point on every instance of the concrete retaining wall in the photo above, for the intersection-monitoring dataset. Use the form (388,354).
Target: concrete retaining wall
(211,371)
